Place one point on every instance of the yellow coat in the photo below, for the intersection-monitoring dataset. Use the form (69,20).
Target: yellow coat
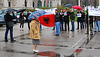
(34,30)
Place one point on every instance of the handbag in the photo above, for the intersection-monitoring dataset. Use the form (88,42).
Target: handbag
(10,24)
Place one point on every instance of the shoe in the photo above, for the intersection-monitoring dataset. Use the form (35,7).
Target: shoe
(13,41)
(56,35)
(35,50)
(53,29)
(95,31)
(6,41)
(77,28)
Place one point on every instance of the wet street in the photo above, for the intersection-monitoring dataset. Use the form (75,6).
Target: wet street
(68,44)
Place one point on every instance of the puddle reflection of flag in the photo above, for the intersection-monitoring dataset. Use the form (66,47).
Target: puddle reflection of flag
(47,20)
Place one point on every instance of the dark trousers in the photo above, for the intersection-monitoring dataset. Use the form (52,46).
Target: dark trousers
(66,22)
(29,25)
(78,22)
(21,25)
(11,34)
(82,24)
(61,25)
(72,21)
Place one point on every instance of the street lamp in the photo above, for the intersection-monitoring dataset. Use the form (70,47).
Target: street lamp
(79,2)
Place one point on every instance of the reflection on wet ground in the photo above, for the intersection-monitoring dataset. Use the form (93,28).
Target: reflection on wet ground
(53,46)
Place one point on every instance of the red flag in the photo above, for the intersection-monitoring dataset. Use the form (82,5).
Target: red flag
(47,20)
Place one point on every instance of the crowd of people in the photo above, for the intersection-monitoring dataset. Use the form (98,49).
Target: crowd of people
(83,21)
(62,23)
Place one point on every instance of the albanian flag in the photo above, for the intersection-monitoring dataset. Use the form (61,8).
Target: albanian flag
(47,20)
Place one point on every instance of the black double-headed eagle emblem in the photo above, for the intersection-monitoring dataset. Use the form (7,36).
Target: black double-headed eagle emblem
(46,19)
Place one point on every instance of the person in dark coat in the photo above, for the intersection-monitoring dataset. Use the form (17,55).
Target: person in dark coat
(61,20)
(28,21)
(8,19)
(72,17)
(57,22)
(66,19)
(83,24)
(79,18)
(22,21)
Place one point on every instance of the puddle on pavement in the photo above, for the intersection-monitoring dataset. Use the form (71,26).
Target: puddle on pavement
(44,53)
(89,38)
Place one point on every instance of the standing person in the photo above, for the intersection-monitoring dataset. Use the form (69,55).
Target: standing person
(14,17)
(91,24)
(83,20)
(72,17)
(97,24)
(57,22)
(87,22)
(28,21)
(22,21)
(35,33)
(79,15)
(66,19)
(61,19)
(9,26)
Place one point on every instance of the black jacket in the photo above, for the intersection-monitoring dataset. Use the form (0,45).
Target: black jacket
(8,18)
(61,16)
(21,19)
(83,15)
(72,16)
(57,17)
(27,17)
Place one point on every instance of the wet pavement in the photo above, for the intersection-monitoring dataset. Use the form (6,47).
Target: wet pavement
(68,44)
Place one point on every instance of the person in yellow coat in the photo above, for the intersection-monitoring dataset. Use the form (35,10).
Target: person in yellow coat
(35,33)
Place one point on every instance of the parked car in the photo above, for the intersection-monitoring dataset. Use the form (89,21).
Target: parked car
(2,21)
(3,12)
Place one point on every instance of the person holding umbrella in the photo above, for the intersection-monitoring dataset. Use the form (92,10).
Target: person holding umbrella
(28,21)
(22,21)
(9,26)
(35,33)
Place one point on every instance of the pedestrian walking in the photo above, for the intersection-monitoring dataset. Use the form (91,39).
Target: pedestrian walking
(66,19)
(79,17)
(97,24)
(22,21)
(35,33)
(61,20)
(28,21)
(57,22)
(9,26)
(72,17)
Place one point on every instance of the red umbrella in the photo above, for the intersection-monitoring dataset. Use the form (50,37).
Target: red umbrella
(77,7)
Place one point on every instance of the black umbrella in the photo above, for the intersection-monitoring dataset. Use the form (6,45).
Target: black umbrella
(68,5)
(10,10)
(21,10)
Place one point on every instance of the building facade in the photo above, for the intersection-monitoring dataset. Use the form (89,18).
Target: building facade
(18,4)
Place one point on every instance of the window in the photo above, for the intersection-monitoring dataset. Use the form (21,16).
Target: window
(33,4)
(9,4)
(25,3)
